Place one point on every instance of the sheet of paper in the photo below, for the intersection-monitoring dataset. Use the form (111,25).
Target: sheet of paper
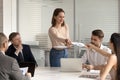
(78,44)
(60,47)
(95,71)
(24,70)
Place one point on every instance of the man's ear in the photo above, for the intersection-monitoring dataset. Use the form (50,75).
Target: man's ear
(4,44)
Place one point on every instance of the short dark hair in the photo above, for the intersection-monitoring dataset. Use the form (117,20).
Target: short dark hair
(12,35)
(98,33)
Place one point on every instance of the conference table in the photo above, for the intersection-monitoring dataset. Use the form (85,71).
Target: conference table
(54,73)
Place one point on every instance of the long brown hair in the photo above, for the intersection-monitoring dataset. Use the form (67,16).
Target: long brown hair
(55,13)
(115,39)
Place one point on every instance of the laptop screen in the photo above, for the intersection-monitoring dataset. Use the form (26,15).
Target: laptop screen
(71,64)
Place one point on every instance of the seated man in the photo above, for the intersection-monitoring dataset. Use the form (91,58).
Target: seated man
(19,51)
(9,69)
(95,60)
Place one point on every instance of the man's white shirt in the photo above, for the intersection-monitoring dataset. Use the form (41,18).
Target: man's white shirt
(95,58)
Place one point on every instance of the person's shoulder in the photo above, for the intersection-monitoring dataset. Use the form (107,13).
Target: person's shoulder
(106,48)
(103,46)
(51,28)
(26,45)
(11,46)
(113,57)
(10,59)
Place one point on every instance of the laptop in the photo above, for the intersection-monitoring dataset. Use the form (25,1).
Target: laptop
(30,65)
(71,64)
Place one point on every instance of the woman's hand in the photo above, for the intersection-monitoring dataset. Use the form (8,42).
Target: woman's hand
(90,46)
(88,67)
(68,43)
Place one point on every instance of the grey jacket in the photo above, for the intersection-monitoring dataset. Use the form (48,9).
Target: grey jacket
(9,69)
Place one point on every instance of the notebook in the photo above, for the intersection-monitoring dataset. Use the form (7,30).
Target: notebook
(30,65)
(71,64)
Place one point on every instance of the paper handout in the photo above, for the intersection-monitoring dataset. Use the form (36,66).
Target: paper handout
(60,47)
(78,44)
(24,70)
(95,71)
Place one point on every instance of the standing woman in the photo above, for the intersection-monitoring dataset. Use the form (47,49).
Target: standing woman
(59,36)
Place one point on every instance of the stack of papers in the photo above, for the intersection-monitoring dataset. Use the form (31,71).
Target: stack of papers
(78,44)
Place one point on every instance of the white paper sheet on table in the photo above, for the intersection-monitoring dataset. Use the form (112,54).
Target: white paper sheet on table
(78,44)
(24,70)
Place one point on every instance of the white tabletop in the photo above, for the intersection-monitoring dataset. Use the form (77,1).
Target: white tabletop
(47,73)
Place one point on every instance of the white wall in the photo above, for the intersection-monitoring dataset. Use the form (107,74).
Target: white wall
(94,14)
(29,19)
(90,14)
(1,15)
(35,17)
(69,16)
(9,16)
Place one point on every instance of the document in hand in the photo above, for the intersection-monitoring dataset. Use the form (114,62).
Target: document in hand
(24,70)
(78,44)
(30,65)
(95,71)
(60,47)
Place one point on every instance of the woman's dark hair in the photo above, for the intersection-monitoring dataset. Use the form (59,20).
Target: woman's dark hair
(115,39)
(55,13)
(12,35)
(98,33)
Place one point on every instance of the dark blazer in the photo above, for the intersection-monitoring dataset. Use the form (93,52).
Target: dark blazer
(9,69)
(28,56)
